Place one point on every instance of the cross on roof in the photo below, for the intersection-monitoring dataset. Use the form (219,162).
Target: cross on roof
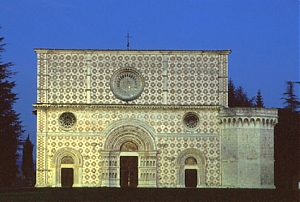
(128,42)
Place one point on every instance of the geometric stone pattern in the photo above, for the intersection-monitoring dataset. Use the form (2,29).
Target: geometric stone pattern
(180,114)
(171,147)
(89,152)
(40,163)
(192,79)
(97,119)
(61,138)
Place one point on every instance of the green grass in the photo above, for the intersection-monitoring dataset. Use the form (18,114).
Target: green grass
(143,194)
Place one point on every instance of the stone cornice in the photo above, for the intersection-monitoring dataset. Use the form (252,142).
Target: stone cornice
(121,106)
(248,112)
(189,135)
(163,52)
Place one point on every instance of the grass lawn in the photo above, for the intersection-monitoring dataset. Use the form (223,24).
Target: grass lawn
(143,194)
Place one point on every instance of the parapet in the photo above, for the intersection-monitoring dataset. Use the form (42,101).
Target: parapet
(247,117)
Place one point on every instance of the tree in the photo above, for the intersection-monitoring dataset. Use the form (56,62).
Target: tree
(286,141)
(286,149)
(237,97)
(11,128)
(231,94)
(290,99)
(259,100)
(27,163)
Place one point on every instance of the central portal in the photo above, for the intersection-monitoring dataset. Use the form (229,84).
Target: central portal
(129,171)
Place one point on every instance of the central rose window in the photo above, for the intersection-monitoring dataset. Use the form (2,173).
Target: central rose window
(127,84)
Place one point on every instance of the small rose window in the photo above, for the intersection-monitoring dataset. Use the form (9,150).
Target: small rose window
(67,120)
(191,121)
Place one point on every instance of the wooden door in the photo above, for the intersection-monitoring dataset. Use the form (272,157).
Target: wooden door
(67,177)
(129,171)
(190,178)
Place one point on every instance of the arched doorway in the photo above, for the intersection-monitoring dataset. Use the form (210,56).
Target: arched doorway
(67,177)
(191,176)
(67,172)
(131,144)
(67,168)
(129,166)
(191,168)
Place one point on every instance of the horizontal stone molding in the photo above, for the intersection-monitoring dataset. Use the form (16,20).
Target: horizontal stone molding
(188,135)
(249,112)
(121,106)
(131,52)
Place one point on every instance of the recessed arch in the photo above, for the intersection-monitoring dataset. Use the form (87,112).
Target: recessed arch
(191,159)
(67,158)
(128,147)
(129,130)
(128,140)
(67,151)
(246,122)
(240,122)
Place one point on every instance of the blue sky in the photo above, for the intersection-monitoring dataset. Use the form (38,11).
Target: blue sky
(262,34)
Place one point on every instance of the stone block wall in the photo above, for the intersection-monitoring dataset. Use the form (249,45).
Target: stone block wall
(247,153)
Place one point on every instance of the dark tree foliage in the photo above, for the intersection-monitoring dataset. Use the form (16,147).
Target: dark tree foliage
(290,99)
(231,94)
(286,149)
(237,97)
(27,163)
(10,125)
(259,100)
(287,133)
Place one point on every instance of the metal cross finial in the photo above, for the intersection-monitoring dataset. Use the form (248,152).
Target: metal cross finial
(128,37)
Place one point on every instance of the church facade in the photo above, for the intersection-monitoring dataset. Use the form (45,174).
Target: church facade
(116,118)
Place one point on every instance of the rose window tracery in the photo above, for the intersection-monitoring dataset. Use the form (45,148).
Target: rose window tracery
(127,84)
(191,121)
(67,120)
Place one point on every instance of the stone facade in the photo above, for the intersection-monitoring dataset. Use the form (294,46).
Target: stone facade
(147,119)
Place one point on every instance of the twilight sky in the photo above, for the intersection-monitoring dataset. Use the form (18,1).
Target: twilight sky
(262,34)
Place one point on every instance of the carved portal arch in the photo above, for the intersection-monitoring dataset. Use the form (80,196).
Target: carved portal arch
(129,138)
(129,130)
(67,158)
(191,159)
